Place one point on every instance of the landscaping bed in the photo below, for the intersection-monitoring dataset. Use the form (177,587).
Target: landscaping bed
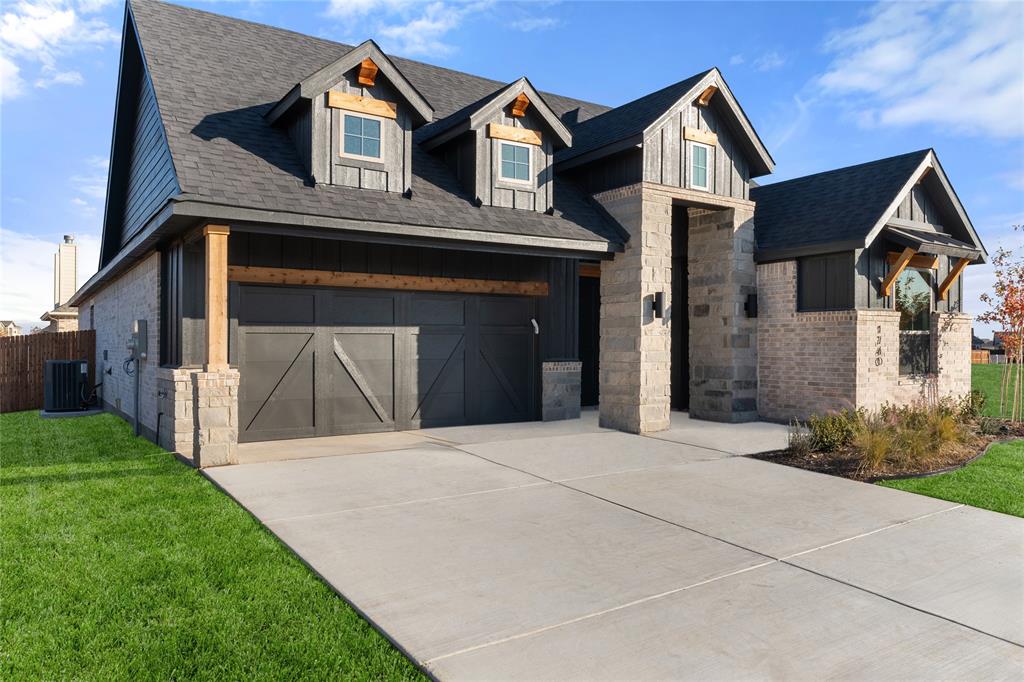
(120,562)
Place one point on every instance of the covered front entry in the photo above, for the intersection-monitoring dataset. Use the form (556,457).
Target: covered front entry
(328,361)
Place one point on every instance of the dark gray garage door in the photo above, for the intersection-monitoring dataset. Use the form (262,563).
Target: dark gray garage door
(335,361)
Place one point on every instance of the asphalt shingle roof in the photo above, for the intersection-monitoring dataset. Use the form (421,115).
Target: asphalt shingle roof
(627,120)
(215,77)
(835,206)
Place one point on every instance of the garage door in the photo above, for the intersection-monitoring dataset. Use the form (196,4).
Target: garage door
(336,361)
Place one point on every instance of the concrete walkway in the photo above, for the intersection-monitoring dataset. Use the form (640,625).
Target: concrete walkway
(565,551)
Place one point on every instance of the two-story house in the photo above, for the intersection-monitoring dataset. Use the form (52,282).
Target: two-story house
(325,239)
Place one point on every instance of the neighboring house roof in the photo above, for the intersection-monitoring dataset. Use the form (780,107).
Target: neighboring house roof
(60,312)
(628,123)
(848,208)
(216,77)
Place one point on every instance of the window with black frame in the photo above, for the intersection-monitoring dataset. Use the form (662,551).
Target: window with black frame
(913,300)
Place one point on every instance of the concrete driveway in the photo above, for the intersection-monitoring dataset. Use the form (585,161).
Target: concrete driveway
(564,551)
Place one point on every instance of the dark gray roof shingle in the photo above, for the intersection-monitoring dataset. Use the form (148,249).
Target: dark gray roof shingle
(627,120)
(836,206)
(215,77)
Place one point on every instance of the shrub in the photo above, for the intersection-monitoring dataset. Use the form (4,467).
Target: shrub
(972,405)
(801,442)
(833,431)
(873,439)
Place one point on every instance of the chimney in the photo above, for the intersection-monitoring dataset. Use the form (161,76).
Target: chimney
(65,271)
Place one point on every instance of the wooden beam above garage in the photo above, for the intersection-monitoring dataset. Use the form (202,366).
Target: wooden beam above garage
(362,280)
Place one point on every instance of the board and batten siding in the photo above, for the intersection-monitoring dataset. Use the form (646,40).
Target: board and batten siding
(918,207)
(557,312)
(392,173)
(535,195)
(872,266)
(150,179)
(667,156)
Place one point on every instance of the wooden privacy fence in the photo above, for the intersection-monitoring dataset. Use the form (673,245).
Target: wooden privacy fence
(22,359)
(979,357)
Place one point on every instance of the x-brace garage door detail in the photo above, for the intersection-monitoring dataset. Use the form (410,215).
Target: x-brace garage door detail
(337,361)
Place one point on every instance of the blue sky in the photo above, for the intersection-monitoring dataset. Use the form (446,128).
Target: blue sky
(825,84)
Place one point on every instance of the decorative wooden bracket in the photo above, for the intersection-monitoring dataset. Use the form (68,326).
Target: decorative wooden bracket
(367,72)
(954,272)
(519,105)
(705,97)
(924,174)
(901,264)
(921,260)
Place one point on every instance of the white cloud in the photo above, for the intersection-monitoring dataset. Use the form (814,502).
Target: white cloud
(26,273)
(956,65)
(405,27)
(93,185)
(979,279)
(736,59)
(37,34)
(769,61)
(535,24)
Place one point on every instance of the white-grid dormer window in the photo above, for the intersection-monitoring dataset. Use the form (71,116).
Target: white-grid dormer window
(700,153)
(515,162)
(361,136)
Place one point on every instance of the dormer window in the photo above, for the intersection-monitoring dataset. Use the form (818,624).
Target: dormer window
(362,137)
(515,162)
(699,166)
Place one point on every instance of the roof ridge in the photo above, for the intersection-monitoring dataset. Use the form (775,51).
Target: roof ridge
(830,171)
(659,91)
(327,41)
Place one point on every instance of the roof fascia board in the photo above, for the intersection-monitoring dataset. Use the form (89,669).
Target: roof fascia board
(317,83)
(714,77)
(283,105)
(199,209)
(523,85)
(930,162)
(379,238)
(600,152)
(768,255)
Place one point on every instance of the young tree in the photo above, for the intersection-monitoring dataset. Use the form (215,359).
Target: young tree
(1006,308)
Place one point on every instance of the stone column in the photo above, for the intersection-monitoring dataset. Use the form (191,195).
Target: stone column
(560,389)
(635,349)
(215,416)
(723,339)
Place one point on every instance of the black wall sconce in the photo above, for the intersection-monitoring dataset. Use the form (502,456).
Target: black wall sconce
(658,304)
(750,307)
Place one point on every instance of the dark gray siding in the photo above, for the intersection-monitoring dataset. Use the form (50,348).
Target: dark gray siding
(557,311)
(825,282)
(918,207)
(872,267)
(618,170)
(667,154)
(151,178)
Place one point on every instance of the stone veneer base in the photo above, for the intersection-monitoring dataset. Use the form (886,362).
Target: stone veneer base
(560,389)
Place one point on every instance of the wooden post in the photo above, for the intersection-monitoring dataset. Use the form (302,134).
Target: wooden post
(216,297)
(954,272)
(901,263)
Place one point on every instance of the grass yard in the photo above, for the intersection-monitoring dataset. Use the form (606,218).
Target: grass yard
(119,562)
(996,481)
(986,378)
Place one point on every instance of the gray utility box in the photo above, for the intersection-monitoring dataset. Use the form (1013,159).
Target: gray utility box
(64,382)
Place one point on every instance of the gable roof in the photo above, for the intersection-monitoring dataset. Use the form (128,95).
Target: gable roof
(227,155)
(318,82)
(471,115)
(846,208)
(627,124)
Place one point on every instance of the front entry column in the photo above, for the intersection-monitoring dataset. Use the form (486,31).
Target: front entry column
(636,346)
(215,390)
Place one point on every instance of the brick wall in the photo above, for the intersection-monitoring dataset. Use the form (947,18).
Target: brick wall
(806,361)
(134,295)
(817,362)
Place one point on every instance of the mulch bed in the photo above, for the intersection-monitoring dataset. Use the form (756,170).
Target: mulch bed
(846,463)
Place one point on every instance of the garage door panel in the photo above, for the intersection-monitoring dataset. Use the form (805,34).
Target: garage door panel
(360,383)
(276,396)
(360,309)
(505,311)
(437,379)
(274,306)
(506,375)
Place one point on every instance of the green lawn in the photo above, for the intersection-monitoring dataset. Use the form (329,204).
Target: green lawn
(119,562)
(986,378)
(996,481)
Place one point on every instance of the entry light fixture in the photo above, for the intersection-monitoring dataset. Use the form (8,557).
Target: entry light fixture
(658,305)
